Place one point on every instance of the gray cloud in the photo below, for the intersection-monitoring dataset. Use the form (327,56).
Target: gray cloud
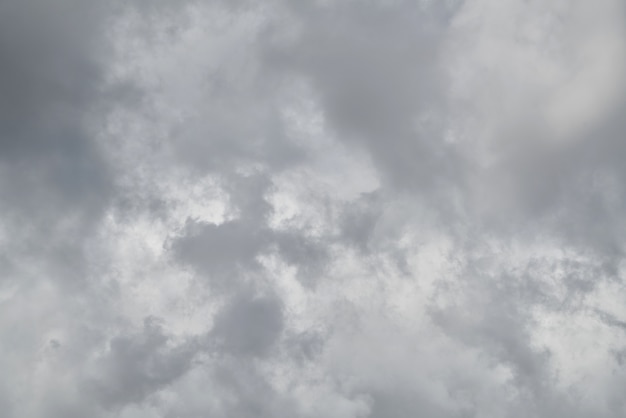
(248,326)
(55,180)
(375,69)
(138,365)
(339,209)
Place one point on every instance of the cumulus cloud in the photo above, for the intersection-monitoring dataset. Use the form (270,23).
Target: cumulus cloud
(338,209)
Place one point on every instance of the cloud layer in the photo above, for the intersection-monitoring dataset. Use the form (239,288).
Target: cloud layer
(338,209)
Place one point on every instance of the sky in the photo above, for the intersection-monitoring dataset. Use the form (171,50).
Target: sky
(316,208)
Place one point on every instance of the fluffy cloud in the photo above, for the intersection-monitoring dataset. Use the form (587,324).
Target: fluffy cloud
(312,209)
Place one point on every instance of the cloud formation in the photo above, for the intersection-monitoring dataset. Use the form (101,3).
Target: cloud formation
(312,209)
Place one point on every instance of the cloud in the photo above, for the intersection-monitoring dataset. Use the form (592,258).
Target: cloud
(138,365)
(375,69)
(305,209)
(249,326)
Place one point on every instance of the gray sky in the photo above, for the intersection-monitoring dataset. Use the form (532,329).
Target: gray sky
(338,209)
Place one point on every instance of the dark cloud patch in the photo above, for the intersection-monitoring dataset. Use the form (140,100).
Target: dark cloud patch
(402,403)
(359,220)
(216,140)
(50,78)
(306,253)
(375,69)
(611,320)
(55,181)
(136,366)
(49,70)
(222,251)
(503,337)
(248,326)
(305,346)
(247,394)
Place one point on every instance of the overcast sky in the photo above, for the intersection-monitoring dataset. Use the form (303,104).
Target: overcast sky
(316,209)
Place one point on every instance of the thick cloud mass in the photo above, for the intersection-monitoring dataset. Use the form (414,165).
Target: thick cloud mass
(340,209)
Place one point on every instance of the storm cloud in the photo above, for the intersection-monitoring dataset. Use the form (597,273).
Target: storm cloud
(344,209)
